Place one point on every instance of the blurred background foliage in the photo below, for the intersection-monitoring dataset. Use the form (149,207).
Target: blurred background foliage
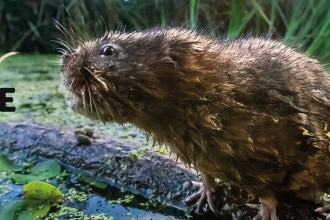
(29,26)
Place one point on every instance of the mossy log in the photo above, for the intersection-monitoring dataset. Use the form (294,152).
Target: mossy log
(119,163)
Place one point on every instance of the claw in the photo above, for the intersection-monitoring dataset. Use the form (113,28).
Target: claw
(324,210)
(267,208)
(254,206)
(204,194)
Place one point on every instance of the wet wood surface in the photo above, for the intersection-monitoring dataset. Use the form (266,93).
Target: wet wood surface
(119,163)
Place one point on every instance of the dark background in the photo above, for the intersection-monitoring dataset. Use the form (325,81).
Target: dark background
(29,26)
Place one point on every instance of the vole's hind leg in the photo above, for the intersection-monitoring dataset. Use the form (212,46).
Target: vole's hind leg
(206,190)
(267,208)
(324,210)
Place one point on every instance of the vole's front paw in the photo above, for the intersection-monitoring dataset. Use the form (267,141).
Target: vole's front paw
(267,208)
(324,210)
(204,194)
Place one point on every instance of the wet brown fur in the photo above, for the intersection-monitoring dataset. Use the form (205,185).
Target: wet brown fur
(251,111)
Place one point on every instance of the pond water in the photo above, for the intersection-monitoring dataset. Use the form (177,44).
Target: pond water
(84,202)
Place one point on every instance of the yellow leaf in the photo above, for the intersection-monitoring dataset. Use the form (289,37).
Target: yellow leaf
(42,191)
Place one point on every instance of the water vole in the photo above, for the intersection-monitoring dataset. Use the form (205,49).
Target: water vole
(252,111)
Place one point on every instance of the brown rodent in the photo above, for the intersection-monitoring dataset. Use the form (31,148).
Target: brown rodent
(252,111)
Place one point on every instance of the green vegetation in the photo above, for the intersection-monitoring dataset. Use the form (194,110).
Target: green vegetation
(38,196)
(305,24)
(40,171)
(126,199)
(70,211)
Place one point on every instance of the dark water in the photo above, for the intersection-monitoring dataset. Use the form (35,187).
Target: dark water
(92,201)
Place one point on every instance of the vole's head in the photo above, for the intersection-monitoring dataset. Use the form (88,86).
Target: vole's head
(90,73)
(122,76)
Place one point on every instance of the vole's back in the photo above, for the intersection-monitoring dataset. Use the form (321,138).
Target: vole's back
(272,116)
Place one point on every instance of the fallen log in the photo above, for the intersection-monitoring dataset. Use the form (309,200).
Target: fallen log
(119,163)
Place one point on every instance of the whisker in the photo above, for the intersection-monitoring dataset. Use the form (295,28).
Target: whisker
(63,43)
(61,50)
(90,97)
(89,92)
(62,29)
(76,37)
(97,112)
(104,101)
(67,11)
(105,25)
(84,99)
(70,87)
(99,79)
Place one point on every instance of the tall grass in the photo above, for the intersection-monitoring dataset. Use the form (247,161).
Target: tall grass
(308,26)
(193,13)
(304,23)
(239,16)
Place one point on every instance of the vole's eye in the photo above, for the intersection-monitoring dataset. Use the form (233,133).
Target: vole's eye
(107,51)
